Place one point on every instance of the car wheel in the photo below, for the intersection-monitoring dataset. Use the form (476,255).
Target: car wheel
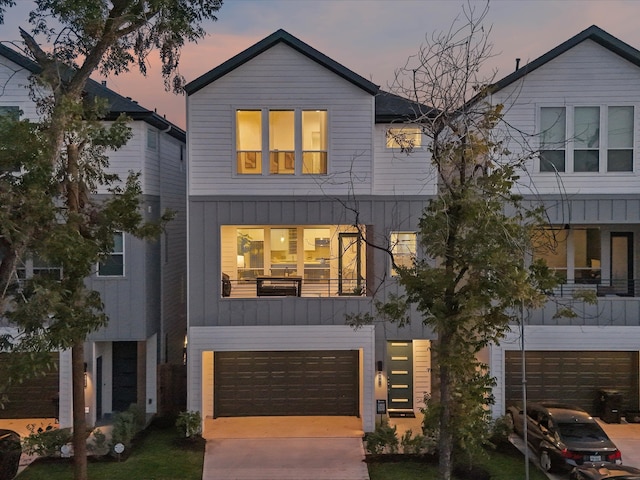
(511,426)
(545,461)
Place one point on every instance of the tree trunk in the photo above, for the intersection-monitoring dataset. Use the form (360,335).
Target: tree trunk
(79,419)
(445,440)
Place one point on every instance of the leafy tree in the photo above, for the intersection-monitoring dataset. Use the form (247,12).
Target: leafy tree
(476,233)
(86,35)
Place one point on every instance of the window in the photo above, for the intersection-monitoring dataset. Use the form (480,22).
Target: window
(403,247)
(552,141)
(113,263)
(10,111)
(574,254)
(152,139)
(600,139)
(34,266)
(294,141)
(406,138)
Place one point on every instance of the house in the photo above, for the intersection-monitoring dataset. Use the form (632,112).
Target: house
(142,283)
(295,174)
(579,106)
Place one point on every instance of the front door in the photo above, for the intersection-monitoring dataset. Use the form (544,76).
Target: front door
(400,378)
(622,263)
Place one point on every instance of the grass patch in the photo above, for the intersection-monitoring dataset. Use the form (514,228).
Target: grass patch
(506,463)
(159,454)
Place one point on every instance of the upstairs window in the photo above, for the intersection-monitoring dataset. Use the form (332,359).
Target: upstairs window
(152,139)
(113,263)
(586,139)
(406,139)
(281,142)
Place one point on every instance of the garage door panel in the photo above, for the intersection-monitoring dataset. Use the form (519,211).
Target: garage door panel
(286,383)
(572,376)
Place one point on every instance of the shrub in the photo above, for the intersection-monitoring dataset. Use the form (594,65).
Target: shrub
(47,442)
(189,424)
(417,445)
(124,428)
(383,439)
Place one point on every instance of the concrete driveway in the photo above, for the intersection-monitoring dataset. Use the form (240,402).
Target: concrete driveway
(284,448)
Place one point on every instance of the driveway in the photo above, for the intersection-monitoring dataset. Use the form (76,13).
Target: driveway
(284,448)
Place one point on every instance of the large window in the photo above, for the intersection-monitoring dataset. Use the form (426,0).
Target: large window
(295,142)
(574,254)
(403,247)
(328,259)
(586,139)
(113,263)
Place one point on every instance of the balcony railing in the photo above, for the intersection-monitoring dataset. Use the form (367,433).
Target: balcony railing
(603,288)
(263,287)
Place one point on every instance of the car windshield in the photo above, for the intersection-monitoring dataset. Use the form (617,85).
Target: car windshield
(586,431)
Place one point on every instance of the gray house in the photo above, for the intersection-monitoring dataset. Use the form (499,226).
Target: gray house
(142,283)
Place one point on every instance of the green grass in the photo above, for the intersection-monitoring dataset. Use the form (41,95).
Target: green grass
(502,466)
(156,456)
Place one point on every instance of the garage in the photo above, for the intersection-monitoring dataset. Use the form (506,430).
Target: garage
(323,382)
(33,398)
(573,377)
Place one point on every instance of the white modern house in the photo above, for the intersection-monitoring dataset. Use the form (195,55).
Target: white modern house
(142,283)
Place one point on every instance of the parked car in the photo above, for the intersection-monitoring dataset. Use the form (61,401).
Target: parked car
(618,472)
(10,451)
(564,436)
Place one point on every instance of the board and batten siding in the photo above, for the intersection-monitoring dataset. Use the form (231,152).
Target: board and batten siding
(279,78)
(400,173)
(205,340)
(380,215)
(129,158)
(586,75)
(557,338)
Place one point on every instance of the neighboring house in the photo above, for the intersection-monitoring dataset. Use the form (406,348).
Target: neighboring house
(579,105)
(142,283)
(293,179)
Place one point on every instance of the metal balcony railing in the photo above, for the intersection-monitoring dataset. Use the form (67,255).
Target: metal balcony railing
(264,287)
(602,287)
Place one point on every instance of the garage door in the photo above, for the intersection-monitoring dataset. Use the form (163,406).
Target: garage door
(34,398)
(286,383)
(572,377)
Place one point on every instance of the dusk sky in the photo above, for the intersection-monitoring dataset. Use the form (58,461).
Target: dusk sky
(371,37)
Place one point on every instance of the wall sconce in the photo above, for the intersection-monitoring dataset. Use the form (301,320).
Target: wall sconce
(379,366)
(85,374)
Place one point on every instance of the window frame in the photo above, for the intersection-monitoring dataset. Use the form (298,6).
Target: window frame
(394,244)
(112,254)
(409,132)
(571,146)
(293,162)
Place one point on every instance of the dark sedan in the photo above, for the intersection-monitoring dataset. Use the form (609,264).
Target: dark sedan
(564,436)
(617,472)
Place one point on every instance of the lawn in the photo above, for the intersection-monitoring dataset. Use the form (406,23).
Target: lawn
(501,466)
(157,455)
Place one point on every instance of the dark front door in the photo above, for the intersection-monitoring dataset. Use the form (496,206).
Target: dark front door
(400,377)
(125,369)
(286,383)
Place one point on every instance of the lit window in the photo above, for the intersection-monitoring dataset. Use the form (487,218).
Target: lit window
(314,142)
(295,142)
(249,141)
(403,247)
(406,139)
(113,263)
(282,153)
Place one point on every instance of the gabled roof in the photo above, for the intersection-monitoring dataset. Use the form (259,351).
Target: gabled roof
(117,103)
(594,33)
(275,38)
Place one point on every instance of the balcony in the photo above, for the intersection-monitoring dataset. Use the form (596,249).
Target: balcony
(292,286)
(603,288)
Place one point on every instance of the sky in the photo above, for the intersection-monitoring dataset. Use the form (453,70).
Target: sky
(373,38)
